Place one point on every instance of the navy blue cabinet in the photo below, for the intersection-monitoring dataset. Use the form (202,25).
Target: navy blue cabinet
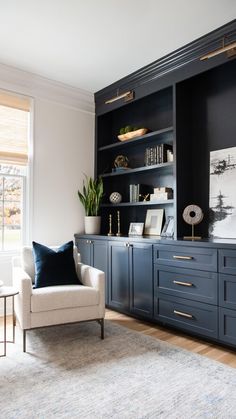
(186,288)
(189,286)
(130,277)
(141,279)
(94,252)
(118,276)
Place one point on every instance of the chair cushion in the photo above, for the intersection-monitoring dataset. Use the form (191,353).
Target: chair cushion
(64,296)
(27,260)
(54,267)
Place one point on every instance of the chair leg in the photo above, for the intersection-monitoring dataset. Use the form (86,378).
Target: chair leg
(102,328)
(24,340)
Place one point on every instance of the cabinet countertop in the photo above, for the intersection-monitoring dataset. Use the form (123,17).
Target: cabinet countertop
(218,243)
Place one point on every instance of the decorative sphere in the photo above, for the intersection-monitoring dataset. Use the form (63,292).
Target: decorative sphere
(115,198)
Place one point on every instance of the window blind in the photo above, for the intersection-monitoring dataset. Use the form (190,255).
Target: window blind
(14,128)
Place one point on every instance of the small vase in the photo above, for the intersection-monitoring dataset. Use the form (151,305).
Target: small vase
(92,225)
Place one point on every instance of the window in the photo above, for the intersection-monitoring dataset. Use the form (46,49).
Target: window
(14,139)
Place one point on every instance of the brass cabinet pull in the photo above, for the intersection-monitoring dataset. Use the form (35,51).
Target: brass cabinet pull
(183,257)
(185,284)
(180,313)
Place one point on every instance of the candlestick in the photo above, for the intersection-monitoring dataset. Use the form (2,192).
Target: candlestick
(118,224)
(110,226)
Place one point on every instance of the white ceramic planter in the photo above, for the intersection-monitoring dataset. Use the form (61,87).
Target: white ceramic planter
(92,225)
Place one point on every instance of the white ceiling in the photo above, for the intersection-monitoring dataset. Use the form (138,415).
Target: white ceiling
(91,43)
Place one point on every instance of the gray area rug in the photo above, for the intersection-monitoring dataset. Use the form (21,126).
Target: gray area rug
(69,372)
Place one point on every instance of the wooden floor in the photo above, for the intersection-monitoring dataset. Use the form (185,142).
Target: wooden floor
(210,350)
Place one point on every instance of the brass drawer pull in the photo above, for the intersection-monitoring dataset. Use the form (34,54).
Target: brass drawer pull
(185,284)
(183,257)
(180,313)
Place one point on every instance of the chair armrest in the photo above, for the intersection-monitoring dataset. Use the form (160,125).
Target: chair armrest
(22,281)
(92,277)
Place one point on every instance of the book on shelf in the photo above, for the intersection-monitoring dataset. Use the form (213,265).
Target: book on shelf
(137,192)
(158,154)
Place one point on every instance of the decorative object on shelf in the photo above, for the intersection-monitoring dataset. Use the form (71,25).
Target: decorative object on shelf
(153,222)
(127,96)
(168,229)
(161,194)
(110,226)
(120,163)
(115,198)
(139,192)
(118,234)
(136,229)
(223,193)
(91,197)
(132,134)
(192,215)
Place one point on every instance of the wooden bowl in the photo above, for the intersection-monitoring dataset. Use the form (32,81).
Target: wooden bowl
(133,134)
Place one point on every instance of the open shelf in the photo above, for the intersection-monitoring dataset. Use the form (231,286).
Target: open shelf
(141,203)
(151,136)
(138,169)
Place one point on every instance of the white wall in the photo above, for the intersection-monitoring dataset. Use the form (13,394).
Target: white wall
(63,151)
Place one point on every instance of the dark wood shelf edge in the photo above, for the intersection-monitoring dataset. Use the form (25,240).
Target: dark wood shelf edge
(134,204)
(141,140)
(138,170)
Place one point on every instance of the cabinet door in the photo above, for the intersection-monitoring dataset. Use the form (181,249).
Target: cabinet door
(119,275)
(100,260)
(85,250)
(227,325)
(141,279)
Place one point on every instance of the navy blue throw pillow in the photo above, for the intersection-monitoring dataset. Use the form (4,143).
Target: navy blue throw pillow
(54,267)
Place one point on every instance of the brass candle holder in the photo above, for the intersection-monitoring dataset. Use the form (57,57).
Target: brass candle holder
(118,224)
(110,226)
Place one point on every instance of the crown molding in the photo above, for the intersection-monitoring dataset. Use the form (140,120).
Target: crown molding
(177,60)
(33,85)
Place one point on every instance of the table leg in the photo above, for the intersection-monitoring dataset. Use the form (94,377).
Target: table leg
(13,320)
(5,327)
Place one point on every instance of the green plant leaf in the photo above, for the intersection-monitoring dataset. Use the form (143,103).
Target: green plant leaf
(91,195)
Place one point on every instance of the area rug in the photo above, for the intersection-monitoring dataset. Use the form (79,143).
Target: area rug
(69,372)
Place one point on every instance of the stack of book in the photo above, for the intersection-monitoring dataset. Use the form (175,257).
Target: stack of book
(138,192)
(157,154)
(161,194)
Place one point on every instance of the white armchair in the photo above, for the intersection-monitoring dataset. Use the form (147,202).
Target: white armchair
(40,307)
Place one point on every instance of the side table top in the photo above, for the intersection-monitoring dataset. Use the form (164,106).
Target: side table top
(8,291)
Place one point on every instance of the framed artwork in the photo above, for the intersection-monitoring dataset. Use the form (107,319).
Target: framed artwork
(153,222)
(168,229)
(223,193)
(136,229)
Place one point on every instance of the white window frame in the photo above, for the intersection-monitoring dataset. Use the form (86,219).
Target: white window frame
(27,203)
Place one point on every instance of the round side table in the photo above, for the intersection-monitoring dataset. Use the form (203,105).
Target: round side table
(7,292)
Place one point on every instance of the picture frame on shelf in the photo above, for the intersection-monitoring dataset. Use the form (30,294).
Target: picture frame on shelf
(153,222)
(136,229)
(168,229)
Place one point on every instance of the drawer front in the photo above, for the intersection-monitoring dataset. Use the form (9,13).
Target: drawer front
(227,291)
(227,325)
(186,283)
(189,315)
(227,261)
(186,257)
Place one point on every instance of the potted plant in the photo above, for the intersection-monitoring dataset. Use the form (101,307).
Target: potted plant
(91,197)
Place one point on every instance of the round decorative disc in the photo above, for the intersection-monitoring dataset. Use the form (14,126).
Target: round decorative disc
(192,214)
